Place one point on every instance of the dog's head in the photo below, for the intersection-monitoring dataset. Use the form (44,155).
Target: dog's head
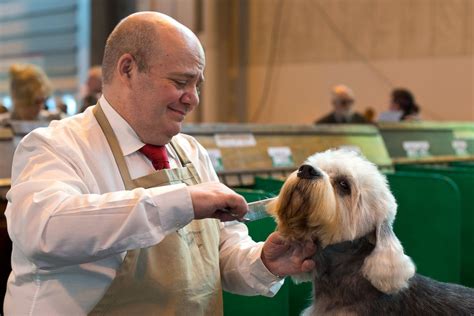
(338,196)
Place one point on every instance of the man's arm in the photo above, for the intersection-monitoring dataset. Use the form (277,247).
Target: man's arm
(56,219)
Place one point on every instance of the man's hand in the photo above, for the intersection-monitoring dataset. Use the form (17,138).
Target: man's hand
(283,258)
(215,200)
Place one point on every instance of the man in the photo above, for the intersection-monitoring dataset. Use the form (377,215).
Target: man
(343,102)
(96,230)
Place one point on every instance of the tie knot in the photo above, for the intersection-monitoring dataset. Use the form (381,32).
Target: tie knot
(157,155)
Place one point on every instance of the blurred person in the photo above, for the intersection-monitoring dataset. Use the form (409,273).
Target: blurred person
(402,107)
(93,88)
(403,100)
(116,212)
(343,103)
(29,89)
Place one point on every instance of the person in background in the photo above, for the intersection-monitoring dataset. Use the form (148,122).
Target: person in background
(343,104)
(403,101)
(93,88)
(116,212)
(402,107)
(30,87)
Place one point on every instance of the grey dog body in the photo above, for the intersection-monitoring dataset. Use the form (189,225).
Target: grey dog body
(340,288)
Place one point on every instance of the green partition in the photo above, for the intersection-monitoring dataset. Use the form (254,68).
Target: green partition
(239,152)
(464,179)
(268,184)
(428,223)
(257,305)
(462,164)
(428,142)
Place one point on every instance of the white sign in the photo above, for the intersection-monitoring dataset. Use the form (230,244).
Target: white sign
(416,149)
(281,156)
(235,140)
(460,147)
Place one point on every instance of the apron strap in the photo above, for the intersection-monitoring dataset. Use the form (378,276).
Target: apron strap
(114,145)
(185,160)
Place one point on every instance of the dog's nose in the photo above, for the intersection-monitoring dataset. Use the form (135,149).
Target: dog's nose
(308,172)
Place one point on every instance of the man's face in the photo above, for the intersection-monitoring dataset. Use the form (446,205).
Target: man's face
(163,96)
(343,105)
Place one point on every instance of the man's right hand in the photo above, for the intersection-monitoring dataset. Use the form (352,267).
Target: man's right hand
(215,200)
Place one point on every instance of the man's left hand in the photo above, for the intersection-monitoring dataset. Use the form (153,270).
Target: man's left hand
(284,258)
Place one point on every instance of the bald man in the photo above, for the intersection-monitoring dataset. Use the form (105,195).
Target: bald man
(114,211)
(342,99)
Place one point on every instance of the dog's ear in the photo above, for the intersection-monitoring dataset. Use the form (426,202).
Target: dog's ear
(387,267)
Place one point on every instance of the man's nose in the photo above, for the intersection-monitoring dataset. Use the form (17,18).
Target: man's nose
(308,172)
(190,97)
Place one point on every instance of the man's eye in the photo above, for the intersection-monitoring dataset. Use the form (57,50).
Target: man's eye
(180,83)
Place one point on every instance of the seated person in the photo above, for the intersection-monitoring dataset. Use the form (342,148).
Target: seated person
(343,103)
(402,107)
(404,101)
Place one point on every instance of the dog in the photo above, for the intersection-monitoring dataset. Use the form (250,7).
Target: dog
(341,201)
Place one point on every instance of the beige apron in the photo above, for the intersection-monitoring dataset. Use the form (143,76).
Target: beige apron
(178,276)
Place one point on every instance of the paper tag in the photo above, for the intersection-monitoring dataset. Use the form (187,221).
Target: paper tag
(216,159)
(416,149)
(460,147)
(235,140)
(281,156)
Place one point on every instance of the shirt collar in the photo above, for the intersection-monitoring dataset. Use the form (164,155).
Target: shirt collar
(128,140)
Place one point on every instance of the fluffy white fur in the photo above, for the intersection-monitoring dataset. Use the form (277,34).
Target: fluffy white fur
(332,217)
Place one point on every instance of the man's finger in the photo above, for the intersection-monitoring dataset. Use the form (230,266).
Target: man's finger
(307,265)
(309,249)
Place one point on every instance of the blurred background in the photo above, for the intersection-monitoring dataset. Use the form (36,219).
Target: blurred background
(268,61)
(275,67)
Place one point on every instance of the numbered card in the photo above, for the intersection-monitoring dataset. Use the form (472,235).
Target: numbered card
(460,147)
(281,156)
(417,149)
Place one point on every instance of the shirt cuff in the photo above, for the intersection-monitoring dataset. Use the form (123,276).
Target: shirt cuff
(261,273)
(174,204)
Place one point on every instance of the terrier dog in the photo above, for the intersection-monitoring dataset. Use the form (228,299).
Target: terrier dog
(342,202)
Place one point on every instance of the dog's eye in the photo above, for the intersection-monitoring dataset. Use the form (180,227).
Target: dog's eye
(343,186)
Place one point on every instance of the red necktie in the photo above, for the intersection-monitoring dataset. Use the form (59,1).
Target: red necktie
(157,155)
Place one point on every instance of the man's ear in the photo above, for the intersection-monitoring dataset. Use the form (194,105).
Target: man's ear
(126,67)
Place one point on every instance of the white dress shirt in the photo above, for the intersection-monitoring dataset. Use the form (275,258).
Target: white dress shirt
(71,220)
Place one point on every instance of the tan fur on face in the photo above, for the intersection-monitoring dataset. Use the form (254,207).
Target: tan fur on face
(305,209)
(320,209)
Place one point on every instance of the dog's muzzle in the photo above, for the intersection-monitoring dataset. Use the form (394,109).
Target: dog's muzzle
(308,172)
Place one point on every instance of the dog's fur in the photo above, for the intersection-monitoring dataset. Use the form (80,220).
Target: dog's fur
(342,202)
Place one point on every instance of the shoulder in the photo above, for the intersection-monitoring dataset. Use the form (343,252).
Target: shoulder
(329,118)
(76,131)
